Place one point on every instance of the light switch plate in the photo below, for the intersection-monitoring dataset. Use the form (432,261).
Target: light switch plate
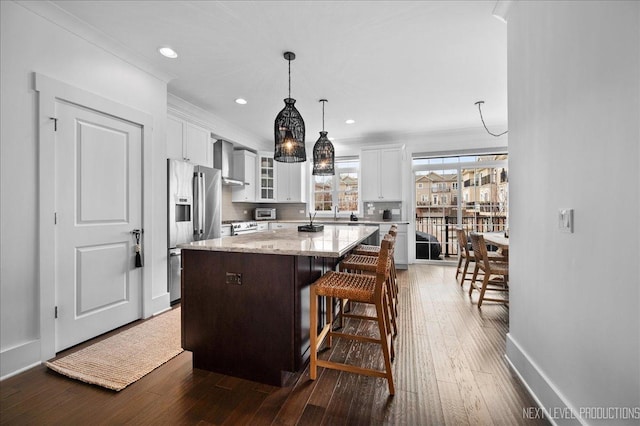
(565,220)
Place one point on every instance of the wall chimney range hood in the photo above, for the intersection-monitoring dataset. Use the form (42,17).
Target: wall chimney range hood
(223,160)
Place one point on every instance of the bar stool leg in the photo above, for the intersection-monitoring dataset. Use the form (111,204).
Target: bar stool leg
(384,341)
(329,320)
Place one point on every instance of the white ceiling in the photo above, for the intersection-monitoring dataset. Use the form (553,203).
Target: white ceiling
(396,67)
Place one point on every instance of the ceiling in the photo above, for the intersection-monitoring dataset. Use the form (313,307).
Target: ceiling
(394,67)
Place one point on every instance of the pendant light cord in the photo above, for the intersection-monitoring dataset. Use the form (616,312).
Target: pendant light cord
(289,60)
(323,101)
(479,103)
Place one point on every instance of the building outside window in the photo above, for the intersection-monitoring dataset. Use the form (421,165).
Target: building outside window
(470,191)
(340,190)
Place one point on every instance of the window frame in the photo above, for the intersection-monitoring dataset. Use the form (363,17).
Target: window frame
(340,166)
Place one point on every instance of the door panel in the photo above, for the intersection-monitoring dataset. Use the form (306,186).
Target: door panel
(98,204)
(102,174)
(102,275)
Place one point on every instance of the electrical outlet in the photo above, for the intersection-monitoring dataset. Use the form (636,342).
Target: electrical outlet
(301,211)
(234,278)
(565,220)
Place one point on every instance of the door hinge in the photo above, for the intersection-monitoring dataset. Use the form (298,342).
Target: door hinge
(56,312)
(55,218)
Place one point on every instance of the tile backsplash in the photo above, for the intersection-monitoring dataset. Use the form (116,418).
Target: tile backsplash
(373,210)
(244,211)
(291,211)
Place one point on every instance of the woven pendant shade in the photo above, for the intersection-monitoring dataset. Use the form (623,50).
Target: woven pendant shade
(323,152)
(323,156)
(289,134)
(289,129)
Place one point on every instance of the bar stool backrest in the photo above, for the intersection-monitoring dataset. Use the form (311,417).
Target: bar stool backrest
(385,255)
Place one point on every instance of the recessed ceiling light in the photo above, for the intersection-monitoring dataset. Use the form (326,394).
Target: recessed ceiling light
(241,101)
(350,121)
(168,52)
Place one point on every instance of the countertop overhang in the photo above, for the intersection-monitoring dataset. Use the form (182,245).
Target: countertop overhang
(332,241)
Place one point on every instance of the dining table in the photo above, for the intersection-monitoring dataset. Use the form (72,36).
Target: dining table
(499,240)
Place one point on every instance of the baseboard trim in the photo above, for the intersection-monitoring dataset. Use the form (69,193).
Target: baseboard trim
(19,358)
(555,406)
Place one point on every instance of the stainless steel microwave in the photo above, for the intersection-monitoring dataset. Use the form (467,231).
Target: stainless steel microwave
(264,214)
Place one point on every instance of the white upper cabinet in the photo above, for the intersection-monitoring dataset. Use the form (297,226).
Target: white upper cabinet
(266,184)
(381,174)
(291,182)
(244,166)
(190,142)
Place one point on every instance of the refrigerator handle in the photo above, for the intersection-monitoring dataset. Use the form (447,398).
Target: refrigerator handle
(201,203)
(196,205)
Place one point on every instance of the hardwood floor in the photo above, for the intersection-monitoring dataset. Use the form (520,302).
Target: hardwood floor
(449,370)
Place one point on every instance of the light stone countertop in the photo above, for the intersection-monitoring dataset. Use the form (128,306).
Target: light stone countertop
(342,221)
(333,241)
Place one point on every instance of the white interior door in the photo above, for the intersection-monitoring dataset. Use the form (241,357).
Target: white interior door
(98,198)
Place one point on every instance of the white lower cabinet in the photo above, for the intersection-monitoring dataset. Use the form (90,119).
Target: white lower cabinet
(401,254)
(263,226)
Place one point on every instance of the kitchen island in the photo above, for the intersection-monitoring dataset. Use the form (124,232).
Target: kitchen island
(245,299)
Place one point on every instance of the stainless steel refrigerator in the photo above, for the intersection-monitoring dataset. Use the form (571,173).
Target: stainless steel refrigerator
(194,201)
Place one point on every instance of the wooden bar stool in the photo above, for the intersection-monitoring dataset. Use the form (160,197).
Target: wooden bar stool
(358,263)
(490,269)
(358,288)
(371,250)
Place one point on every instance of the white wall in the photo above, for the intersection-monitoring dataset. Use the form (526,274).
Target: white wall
(30,43)
(574,136)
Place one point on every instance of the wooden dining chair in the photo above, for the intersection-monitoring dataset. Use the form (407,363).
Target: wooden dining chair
(464,255)
(468,256)
(495,273)
(358,288)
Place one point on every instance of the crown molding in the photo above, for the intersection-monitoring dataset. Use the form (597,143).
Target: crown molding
(68,22)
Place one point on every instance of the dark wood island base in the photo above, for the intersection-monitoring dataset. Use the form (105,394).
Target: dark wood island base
(247,314)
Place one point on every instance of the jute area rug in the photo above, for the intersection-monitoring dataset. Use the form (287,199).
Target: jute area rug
(120,360)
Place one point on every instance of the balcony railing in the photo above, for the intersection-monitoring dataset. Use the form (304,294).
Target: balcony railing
(444,229)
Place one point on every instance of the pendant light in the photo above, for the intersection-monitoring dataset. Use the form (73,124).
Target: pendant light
(289,128)
(323,152)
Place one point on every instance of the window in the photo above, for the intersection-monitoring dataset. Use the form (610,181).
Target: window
(341,190)
(467,191)
(323,193)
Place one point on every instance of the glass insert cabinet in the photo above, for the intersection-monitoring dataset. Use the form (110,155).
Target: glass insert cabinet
(266,189)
